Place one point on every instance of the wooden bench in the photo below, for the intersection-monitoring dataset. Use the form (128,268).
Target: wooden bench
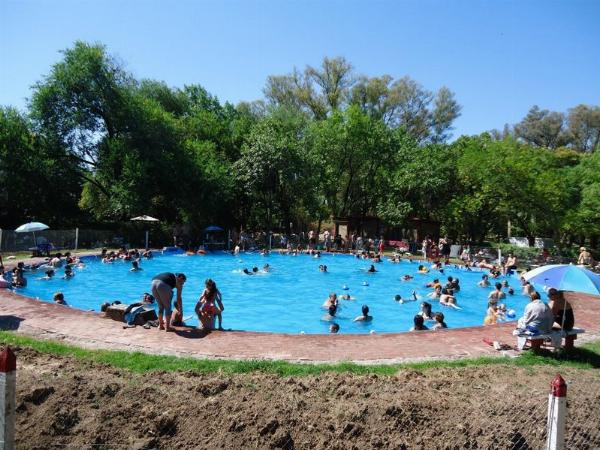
(555,337)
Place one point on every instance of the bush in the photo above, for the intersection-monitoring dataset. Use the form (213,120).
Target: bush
(522,253)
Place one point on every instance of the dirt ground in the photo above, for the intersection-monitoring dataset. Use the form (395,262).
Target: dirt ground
(65,402)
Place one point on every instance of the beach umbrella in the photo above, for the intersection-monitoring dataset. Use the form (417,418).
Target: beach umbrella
(213,228)
(565,277)
(145,218)
(32,227)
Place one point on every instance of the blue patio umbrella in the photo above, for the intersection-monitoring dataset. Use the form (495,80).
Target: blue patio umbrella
(565,277)
(213,228)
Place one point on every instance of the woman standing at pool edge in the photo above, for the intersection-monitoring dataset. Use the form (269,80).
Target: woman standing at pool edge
(162,289)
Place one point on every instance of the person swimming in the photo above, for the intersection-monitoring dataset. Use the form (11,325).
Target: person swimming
(422,269)
(68,272)
(365,317)
(135,266)
(49,275)
(372,269)
(407,277)
(330,314)
(331,300)
(485,281)
(247,272)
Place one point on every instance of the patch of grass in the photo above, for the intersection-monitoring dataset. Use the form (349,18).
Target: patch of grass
(584,357)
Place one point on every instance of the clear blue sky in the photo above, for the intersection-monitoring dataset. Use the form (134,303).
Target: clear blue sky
(499,57)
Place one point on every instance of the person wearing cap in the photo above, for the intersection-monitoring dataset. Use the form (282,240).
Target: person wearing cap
(585,257)
(162,290)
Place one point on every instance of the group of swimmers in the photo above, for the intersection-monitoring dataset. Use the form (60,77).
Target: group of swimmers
(332,305)
(134,255)
(15,278)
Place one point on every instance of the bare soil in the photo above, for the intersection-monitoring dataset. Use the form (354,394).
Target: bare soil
(66,402)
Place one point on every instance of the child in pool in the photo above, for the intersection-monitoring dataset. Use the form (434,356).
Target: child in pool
(439,321)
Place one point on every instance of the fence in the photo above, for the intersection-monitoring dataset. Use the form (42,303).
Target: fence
(10,241)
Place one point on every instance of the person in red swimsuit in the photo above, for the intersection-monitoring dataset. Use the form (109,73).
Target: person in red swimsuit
(207,308)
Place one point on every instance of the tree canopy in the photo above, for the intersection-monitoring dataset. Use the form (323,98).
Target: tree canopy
(98,145)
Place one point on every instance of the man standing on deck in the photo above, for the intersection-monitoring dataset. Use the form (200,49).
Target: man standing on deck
(162,289)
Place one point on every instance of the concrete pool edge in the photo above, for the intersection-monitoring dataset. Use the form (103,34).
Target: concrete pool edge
(91,330)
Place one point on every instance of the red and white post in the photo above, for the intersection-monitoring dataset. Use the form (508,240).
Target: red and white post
(8,397)
(557,413)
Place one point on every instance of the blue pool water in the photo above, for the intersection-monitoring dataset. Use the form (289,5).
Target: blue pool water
(288,299)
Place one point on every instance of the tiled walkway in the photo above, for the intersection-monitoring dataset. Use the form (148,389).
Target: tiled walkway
(91,330)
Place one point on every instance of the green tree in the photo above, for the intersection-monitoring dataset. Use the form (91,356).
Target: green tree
(351,151)
(35,180)
(274,172)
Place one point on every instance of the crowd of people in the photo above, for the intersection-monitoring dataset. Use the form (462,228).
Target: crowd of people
(538,315)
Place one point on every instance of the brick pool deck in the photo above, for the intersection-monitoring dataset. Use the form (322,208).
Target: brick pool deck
(93,330)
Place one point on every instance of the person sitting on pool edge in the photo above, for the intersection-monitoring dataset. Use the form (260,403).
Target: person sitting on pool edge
(162,289)
(365,315)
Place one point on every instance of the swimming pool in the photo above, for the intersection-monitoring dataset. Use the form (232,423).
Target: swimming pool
(289,298)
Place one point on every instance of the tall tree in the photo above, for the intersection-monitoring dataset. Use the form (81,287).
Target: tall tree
(542,128)
(426,116)
(584,127)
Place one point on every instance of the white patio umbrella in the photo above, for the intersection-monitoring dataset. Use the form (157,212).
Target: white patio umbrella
(32,227)
(145,218)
